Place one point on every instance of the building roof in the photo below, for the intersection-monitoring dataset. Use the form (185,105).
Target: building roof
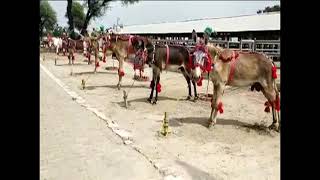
(257,22)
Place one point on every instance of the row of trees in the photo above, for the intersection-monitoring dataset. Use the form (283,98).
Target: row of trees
(77,18)
(274,8)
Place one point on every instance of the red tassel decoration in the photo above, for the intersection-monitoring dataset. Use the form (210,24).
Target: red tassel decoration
(97,65)
(220,108)
(274,72)
(267,109)
(121,73)
(199,83)
(267,103)
(158,87)
(104,59)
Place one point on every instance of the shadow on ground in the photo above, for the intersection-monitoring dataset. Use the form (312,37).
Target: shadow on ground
(195,172)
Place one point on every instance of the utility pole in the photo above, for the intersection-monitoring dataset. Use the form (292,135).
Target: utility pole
(118,19)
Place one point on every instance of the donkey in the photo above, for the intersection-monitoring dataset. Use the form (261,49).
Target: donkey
(61,44)
(71,45)
(123,46)
(240,69)
(91,46)
(160,57)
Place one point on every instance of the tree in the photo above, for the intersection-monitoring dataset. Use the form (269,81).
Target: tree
(77,12)
(95,9)
(69,15)
(48,17)
(57,31)
(274,8)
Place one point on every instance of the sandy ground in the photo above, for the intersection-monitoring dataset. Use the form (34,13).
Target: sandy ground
(75,145)
(238,147)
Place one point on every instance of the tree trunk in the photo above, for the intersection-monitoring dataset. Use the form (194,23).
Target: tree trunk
(86,22)
(70,17)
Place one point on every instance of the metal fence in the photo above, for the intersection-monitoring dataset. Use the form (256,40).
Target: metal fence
(270,47)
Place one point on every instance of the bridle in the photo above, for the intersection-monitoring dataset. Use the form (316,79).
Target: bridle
(146,55)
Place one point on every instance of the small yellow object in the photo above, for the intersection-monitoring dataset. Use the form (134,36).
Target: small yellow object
(165,126)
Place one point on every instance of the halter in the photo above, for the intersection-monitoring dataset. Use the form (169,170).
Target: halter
(153,53)
(206,67)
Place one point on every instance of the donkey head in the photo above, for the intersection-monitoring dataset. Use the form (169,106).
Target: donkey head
(137,43)
(200,63)
(149,50)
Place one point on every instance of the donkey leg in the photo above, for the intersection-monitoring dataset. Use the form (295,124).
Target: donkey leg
(196,97)
(189,88)
(270,94)
(188,81)
(217,94)
(120,72)
(96,61)
(69,58)
(89,57)
(73,58)
(157,82)
(57,50)
(152,85)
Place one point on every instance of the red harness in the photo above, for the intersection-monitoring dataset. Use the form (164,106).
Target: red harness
(207,65)
(234,58)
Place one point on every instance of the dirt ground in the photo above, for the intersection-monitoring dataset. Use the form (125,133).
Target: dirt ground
(238,147)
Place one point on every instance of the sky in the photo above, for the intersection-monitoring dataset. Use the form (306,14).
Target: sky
(146,12)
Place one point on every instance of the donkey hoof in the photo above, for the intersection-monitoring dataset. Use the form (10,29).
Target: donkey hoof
(154,102)
(149,100)
(274,126)
(211,124)
(189,97)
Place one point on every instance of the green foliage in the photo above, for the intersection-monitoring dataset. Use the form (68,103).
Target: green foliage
(274,8)
(95,9)
(48,17)
(57,32)
(77,11)
(127,2)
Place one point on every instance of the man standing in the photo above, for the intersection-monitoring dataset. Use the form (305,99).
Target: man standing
(206,34)
(194,36)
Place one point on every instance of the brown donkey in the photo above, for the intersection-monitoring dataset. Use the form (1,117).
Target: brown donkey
(240,69)
(160,57)
(123,46)
(91,45)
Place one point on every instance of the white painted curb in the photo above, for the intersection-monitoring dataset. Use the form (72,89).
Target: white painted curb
(122,133)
